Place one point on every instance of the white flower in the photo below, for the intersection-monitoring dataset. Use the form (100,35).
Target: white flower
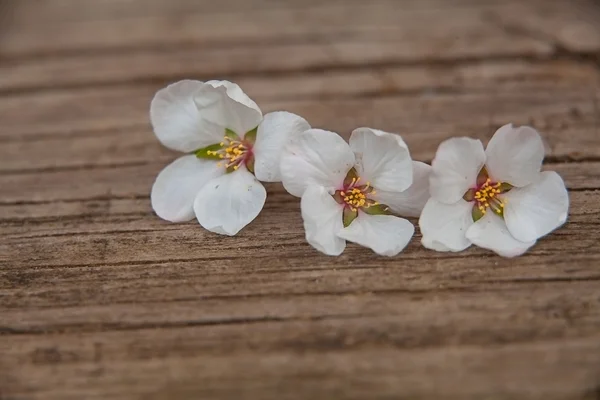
(497,199)
(348,190)
(232,148)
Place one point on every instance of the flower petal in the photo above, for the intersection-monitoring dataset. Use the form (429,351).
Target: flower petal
(537,209)
(455,168)
(491,233)
(386,235)
(223,112)
(273,134)
(230,202)
(315,157)
(322,220)
(432,244)
(445,225)
(236,93)
(410,202)
(383,159)
(515,155)
(176,120)
(177,185)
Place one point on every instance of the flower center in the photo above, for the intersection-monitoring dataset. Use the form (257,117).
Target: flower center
(355,195)
(233,152)
(486,196)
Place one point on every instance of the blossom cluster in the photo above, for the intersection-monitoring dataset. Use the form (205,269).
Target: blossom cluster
(361,191)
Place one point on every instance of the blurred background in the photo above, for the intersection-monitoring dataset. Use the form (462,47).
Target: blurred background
(407,66)
(425,67)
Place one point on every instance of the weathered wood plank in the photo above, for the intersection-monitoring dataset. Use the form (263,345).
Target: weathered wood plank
(100,69)
(550,370)
(99,298)
(327,36)
(571,26)
(378,35)
(545,314)
(32,297)
(119,25)
(72,209)
(190,23)
(56,12)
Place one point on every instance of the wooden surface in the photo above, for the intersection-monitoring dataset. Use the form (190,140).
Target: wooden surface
(99,298)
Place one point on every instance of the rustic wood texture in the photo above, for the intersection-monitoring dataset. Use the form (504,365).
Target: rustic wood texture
(99,298)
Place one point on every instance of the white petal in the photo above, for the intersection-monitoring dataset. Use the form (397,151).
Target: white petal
(322,220)
(491,233)
(236,93)
(386,235)
(455,168)
(230,202)
(410,202)
(176,120)
(315,157)
(515,155)
(177,185)
(221,111)
(273,134)
(537,209)
(383,159)
(431,244)
(445,225)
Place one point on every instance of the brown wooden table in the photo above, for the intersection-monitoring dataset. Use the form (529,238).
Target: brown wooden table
(99,298)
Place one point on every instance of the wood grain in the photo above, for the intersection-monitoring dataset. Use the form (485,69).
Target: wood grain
(99,298)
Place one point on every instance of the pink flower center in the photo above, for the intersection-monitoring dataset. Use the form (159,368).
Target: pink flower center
(234,152)
(486,195)
(355,195)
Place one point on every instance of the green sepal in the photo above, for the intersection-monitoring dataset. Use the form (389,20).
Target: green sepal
(505,187)
(349,215)
(203,152)
(379,209)
(337,196)
(477,214)
(250,136)
(500,214)
(350,176)
(250,163)
(496,208)
(231,134)
(482,176)
(469,195)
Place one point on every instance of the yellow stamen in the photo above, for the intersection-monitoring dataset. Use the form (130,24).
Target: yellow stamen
(487,196)
(232,153)
(355,196)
